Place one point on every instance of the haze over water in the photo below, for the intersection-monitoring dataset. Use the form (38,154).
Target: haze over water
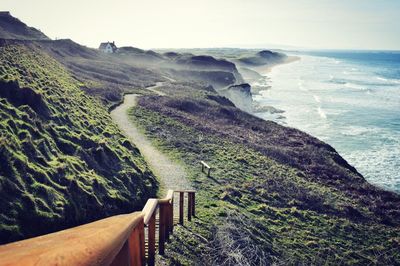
(350,100)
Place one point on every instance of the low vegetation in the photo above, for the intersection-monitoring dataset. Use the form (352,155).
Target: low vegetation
(276,195)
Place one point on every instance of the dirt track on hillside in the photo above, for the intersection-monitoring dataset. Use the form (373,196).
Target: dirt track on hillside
(171,174)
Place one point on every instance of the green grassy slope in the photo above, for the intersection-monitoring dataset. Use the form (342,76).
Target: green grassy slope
(63,161)
(277,195)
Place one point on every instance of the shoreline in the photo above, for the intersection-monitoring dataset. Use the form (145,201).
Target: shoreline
(263,70)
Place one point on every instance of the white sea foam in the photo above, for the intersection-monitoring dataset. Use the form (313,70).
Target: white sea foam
(380,78)
(316,98)
(354,86)
(321,113)
(346,104)
(301,86)
(358,130)
(388,81)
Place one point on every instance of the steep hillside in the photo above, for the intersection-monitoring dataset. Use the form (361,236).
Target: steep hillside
(109,76)
(276,195)
(264,57)
(102,75)
(13,28)
(63,161)
(216,72)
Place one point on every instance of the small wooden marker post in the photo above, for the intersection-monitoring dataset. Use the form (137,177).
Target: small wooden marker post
(205,166)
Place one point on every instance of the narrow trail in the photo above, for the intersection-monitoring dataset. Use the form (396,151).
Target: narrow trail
(170,174)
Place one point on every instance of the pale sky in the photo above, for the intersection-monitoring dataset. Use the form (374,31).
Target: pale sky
(323,24)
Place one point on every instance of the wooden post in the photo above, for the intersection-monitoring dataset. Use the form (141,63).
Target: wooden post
(152,240)
(192,195)
(142,244)
(136,245)
(171,227)
(181,194)
(123,256)
(209,172)
(194,204)
(162,229)
(189,207)
(167,221)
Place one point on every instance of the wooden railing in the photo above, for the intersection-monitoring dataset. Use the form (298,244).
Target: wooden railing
(128,239)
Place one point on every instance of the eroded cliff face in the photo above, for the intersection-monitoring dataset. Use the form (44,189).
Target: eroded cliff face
(240,95)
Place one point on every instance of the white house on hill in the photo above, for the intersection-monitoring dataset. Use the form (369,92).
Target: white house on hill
(108,47)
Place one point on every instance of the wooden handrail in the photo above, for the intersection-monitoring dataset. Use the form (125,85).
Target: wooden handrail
(149,209)
(117,240)
(96,243)
(185,191)
(168,197)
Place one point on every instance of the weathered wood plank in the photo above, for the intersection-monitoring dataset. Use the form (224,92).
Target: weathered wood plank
(118,240)
(90,244)
(149,209)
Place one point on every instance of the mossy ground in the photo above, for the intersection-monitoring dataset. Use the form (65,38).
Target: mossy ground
(63,162)
(255,209)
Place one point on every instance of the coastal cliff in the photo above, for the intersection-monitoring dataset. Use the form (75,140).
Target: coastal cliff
(275,196)
(240,95)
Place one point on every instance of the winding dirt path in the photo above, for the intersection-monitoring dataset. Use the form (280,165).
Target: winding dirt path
(170,174)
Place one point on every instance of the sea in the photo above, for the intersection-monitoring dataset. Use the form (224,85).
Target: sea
(348,99)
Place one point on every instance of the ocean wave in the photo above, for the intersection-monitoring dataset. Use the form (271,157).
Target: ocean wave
(377,171)
(354,86)
(301,86)
(388,81)
(338,81)
(321,113)
(383,79)
(365,82)
(317,99)
(358,131)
